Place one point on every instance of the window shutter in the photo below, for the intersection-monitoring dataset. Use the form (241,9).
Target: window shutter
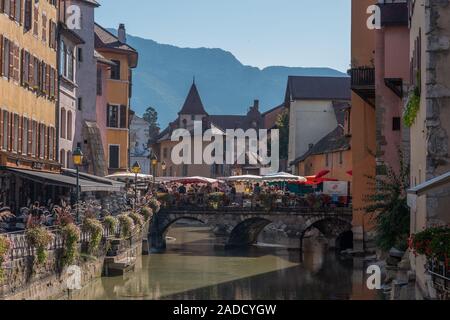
(31,71)
(17,63)
(22,68)
(11,60)
(19,136)
(12,7)
(47,79)
(18,11)
(1,125)
(30,136)
(46,144)
(2,6)
(9,119)
(123,116)
(1,52)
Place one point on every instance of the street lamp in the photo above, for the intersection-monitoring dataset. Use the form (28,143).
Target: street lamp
(77,158)
(154,162)
(136,169)
(163,166)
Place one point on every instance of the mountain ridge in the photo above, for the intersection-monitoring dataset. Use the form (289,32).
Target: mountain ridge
(165,72)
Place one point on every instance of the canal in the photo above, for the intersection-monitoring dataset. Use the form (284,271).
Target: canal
(194,267)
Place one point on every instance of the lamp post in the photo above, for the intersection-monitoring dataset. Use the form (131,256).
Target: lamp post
(136,169)
(154,162)
(77,157)
(163,167)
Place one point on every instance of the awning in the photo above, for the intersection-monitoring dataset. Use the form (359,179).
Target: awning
(60,180)
(433,184)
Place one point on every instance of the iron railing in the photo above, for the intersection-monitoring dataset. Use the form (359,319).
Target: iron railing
(362,76)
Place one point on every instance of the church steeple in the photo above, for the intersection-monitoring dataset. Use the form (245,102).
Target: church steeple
(193,104)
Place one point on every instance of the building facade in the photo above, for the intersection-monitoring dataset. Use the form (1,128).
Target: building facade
(28,95)
(118,91)
(363,118)
(311,110)
(68,92)
(430,143)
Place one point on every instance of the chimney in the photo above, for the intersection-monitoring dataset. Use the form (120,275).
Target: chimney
(122,34)
(256,104)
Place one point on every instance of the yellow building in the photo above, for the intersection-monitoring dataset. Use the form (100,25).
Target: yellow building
(117,112)
(28,92)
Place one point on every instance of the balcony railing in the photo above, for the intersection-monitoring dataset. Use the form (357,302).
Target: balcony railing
(441,278)
(363,83)
(362,77)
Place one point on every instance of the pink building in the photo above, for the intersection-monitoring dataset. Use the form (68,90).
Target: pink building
(392,74)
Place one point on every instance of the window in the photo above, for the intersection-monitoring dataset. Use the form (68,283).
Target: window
(69,125)
(165,153)
(396,124)
(62,58)
(185,170)
(80,103)
(69,159)
(80,54)
(113,116)
(63,123)
(70,64)
(341,157)
(116,116)
(62,157)
(99,81)
(327,160)
(114,162)
(51,143)
(115,70)
(44,27)
(28,15)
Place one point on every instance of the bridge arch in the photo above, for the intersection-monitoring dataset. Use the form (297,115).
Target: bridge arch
(333,228)
(246,232)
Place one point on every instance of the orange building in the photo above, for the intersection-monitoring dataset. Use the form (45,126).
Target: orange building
(119,82)
(28,96)
(363,118)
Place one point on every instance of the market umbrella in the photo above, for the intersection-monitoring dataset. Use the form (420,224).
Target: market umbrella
(244,178)
(128,175)
(194,180)
(283,177)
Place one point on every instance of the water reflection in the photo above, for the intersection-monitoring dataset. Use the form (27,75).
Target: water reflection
(194,267)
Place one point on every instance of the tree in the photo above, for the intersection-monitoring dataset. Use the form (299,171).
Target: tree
(388,206)
(282,124)
(151,116)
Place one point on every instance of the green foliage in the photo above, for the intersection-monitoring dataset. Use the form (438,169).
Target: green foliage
(111,224)
(137,219)
(39,237)
(146,212)
(126,225)
(155,205)
(412,108)
(282,124)
(95,229)
(151,116)
(434,243)
(389,208)
(71,236)
(4,248)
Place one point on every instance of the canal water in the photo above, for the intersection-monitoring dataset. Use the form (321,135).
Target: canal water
(195,267)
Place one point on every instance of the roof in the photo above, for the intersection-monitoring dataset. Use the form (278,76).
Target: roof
(277,108)
(333,142)
(106,40)
(92,2)
(436,183)
(86,182)
(100,58)
(230,121)
(318,88)
(70,34)
(193,104)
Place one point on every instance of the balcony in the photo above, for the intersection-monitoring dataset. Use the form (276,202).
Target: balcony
(441,278)
(363,83)
(394,14)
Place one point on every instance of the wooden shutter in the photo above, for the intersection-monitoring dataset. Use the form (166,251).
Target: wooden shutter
(11,60)
(9,118)
(1,125)
(36,20)
(47,79)
(22,68)
(123,116)
(2,6)
(12,7)
(46,144)
(30,137)
(1,53)
(17,63)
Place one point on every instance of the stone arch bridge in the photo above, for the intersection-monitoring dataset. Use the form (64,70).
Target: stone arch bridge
(243,226)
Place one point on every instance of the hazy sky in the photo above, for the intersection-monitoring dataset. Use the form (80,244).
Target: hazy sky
(258,32)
